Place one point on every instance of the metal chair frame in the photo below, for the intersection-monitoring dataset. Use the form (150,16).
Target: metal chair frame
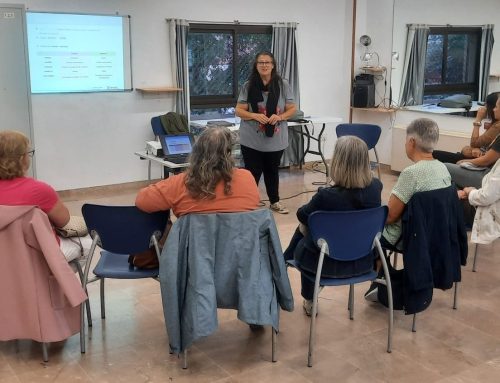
(153,238)
(378,216)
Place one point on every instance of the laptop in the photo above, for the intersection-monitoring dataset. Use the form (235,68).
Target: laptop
(177,147)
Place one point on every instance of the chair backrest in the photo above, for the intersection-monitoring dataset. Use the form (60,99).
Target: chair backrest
(369,133)
(348,234)
(157,126)
(123,229)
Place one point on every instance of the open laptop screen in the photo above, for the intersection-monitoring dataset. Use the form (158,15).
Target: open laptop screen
(177,144)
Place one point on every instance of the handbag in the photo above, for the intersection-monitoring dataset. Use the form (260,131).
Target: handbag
(397,286)
(76,227)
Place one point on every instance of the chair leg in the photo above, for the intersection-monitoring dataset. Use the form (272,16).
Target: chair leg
(455,296)
(351,302)
(82,328)
(185,359)
(103,308)
(475,257)
(45,353)
(87,302)
(312,333)
(274,345)
(414,325)
(378,163)
(387,282)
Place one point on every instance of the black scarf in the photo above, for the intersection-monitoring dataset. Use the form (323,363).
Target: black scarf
(255,96)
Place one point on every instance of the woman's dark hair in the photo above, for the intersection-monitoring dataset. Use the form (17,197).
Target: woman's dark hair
(491,101)
(254,79)
(210,162)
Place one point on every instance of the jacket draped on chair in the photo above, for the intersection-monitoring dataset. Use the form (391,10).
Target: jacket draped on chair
(40,295)
(225,260)
(434,245)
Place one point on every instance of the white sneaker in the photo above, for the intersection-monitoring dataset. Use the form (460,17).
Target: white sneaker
(278,207)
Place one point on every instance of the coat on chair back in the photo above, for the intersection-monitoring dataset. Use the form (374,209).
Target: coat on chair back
(434,245)
(40,295)
(225,260)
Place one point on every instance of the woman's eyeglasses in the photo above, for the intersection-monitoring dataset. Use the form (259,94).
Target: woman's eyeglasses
(262,63)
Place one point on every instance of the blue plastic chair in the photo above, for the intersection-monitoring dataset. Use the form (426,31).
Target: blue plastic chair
(157,126)
(120,231)
(369,133)
(347,236)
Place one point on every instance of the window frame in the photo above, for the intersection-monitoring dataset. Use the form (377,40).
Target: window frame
(217,101)
(443,88)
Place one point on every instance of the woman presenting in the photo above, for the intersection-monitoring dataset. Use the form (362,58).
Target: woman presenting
(264,104)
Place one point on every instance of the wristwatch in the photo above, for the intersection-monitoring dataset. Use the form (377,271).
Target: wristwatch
(476,123)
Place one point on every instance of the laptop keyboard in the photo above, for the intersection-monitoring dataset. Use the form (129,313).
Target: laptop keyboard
(177,158)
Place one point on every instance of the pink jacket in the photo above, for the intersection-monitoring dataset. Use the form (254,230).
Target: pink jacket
(40,295)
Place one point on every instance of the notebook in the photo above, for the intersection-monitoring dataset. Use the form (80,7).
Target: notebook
(177,147)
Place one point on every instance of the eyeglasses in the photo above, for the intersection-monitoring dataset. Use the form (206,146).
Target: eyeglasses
(264,63)
(31,153)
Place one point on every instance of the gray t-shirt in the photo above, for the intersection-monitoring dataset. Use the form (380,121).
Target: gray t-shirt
(252,133)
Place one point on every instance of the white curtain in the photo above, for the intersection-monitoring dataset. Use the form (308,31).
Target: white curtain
(284,49)
(177,31)
(487,41)
(412,83)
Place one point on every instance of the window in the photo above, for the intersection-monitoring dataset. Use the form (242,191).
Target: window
(220,59)
(452,62)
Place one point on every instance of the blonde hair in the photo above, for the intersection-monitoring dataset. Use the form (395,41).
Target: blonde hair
(13,147)
(210,161)
(350,165)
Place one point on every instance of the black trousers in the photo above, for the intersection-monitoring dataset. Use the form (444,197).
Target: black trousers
(447,157)
(267,163)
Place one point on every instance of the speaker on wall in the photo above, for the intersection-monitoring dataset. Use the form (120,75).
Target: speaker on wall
(363,93)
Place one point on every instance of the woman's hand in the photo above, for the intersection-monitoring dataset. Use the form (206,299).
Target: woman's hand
(481,114)
(274,119)
(464,194)
(461,194)
(261,118)
(476,152)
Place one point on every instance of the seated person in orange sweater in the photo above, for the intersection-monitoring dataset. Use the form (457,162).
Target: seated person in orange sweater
(211,183)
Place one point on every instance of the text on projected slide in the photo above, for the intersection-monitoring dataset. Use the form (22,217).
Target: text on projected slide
(75,53)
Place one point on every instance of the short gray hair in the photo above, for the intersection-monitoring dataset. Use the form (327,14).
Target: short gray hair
(350,166)
(425,132)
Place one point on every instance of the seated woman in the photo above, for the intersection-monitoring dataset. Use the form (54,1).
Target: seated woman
(466,177)
(425,174)
(16,189)
(486,227)
(478,143)
(355,188)
(210,184)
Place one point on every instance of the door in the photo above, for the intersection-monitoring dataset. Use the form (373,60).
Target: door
(15,101)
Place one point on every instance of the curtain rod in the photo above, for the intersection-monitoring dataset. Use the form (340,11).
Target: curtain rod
(237,22)
(449,25)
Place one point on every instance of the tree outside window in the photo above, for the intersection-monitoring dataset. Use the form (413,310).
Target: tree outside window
(452,62)
(220,59)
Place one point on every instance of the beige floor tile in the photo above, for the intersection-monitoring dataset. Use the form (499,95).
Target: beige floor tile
(131,344)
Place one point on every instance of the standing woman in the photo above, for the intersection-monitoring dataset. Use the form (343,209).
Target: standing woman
(264,104)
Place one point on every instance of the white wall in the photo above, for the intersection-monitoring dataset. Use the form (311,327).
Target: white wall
(375,18)
(87,140)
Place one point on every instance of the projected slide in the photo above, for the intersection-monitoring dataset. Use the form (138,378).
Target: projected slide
(78,53)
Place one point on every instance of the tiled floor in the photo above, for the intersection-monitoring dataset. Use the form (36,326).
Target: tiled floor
(131,345)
